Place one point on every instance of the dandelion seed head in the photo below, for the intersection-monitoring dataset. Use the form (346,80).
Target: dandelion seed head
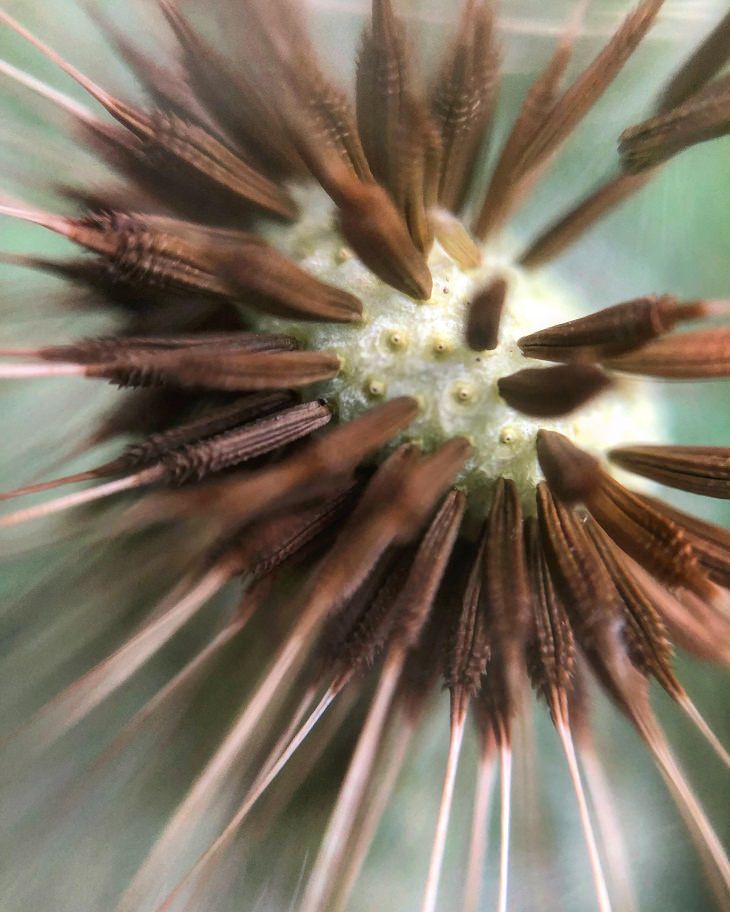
(419,452)
(418,348)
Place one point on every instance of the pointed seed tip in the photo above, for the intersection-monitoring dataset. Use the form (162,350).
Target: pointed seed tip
(571,473)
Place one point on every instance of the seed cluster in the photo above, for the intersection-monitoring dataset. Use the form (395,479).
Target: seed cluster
(413,348)
(376,397)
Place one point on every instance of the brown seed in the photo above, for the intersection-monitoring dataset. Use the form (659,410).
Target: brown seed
(588,87)
(645,634)
(200,369)
(693,623)
(701,66)
(468,650)
(379,236)
(506,594)
(463,99)
(588,594)
(235,96)
(267,280)
(686,356)
(140,455)
(705,116)
(131,251)
(701,470)
(582,581)
(485,313)
(109,348)
(424,665)
(412,189)
(153,251)
(653,540)
(238,445)
(283,32)
(165,82)
(138,254)
(560,234)
(355,635)
(711,543)
(550,650)
(509,182)
(261,547)
(170,139)
(505,599)
(383,90)
(433,475)
(593,604)
(300,477)
(571,473)
(552,391)
(414,603)
(609,332)
(211,422)
(396,131)
(387,479)
(650,538)
(387,515)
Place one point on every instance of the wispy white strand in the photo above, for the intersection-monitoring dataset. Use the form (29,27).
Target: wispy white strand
(78,700)
(362,837)
(505,813)
(200,869)
(430,894)
(319,885)
(63,101)
(89,495)
(40,370)
(479,831)
(699,826)
(704,729)
(152,881)
(612,837)
(180,682)
(171,696)
(599,880)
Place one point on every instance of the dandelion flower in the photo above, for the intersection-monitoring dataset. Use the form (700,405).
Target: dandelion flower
(380,445)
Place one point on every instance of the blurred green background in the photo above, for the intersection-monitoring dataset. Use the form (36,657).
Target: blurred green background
(69,602)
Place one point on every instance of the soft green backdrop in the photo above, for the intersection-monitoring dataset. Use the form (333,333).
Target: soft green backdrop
(71,601)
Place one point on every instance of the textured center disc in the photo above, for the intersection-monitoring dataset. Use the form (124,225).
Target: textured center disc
(410,348)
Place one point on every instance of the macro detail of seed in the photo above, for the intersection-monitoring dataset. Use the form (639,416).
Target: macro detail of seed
(332,451)
(421,349)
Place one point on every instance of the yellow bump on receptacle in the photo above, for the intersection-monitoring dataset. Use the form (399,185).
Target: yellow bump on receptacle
(441,347)
(402,348)
(397,339)
(463,393)
(509,435)
(375,388)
